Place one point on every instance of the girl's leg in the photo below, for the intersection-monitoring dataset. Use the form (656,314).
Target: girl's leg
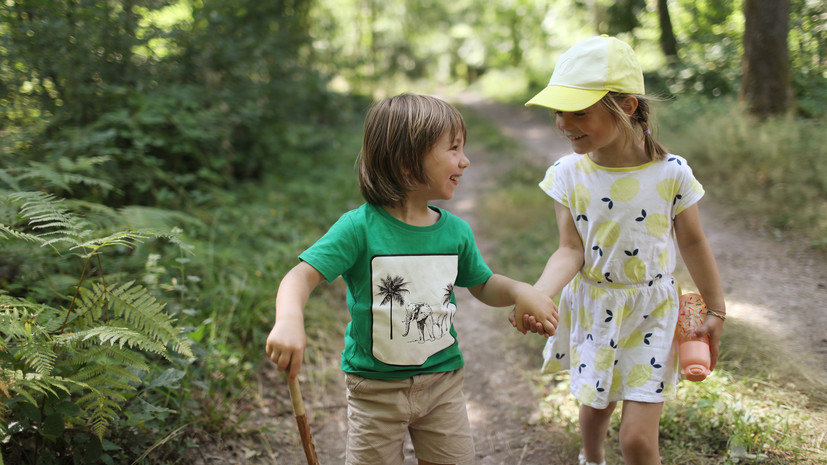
(639,432)
(594,424)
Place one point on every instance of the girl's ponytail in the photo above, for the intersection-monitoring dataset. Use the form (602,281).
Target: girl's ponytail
(654,149)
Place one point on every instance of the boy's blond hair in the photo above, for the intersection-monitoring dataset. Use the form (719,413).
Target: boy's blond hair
(399,132)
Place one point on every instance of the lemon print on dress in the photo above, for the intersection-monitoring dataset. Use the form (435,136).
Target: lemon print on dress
(548,181)
(617,379)
(639,375)
(606,235)
(622,314)
(635,268)
(552,366)
(668,189)
(622,190)
(604,358)
(657,224)
(585,166)
(566,319)
(632,340)
(580,198)
(587,394)
(663,308)
(663,258)
(584,317)
(595,292)
(592,273)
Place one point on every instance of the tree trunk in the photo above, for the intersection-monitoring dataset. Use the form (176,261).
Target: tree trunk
(668,43)
(766,87)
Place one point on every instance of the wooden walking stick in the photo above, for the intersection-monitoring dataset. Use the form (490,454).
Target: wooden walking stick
(301,420)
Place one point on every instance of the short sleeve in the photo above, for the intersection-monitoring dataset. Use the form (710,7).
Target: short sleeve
(473,270)
(689,189)
(335,252)
(553,183)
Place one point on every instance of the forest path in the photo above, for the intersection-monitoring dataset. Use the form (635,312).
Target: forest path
(778,286)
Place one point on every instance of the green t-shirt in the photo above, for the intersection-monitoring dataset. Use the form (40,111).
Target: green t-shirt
(400,281)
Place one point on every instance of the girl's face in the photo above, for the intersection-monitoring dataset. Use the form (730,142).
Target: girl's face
(444,165)
(591,130)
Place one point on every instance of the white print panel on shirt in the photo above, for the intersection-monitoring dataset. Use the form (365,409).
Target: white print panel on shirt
(412,306)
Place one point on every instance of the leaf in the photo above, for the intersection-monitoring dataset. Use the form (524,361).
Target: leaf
(52,427)
(169,378)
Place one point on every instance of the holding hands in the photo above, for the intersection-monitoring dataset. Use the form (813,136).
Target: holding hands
(535,312)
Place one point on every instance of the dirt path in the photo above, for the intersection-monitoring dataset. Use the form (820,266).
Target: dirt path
(777,285)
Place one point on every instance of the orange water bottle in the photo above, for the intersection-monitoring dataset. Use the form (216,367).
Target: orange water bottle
(693,352)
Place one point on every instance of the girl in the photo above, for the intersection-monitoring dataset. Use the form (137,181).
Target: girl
(401,258)
(622,204)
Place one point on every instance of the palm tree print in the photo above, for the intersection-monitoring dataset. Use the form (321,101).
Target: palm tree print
(392,289)
(449,290)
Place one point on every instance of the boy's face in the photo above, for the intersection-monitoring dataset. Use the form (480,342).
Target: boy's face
(443,166)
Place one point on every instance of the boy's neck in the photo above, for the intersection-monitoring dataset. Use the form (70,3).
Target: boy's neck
(413,213)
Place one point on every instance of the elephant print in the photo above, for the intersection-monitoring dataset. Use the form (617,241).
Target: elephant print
(412,307)
(423,315)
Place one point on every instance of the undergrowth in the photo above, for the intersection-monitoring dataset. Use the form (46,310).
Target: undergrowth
(771,171)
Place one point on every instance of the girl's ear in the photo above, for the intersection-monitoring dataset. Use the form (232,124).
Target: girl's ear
(629,105)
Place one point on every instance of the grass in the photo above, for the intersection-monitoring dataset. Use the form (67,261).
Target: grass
(771,170)
(756,407)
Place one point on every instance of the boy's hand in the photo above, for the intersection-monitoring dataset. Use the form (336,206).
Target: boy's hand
(535,312)
(285,345)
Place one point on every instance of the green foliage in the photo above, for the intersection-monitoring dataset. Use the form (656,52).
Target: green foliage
(172,98)
(773,169)
(71,360)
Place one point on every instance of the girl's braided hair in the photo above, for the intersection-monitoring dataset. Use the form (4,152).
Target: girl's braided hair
(639,118)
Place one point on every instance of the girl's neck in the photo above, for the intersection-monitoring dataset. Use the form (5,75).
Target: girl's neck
(628,155)
(413,213)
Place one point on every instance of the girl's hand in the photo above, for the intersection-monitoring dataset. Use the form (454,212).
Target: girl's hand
(535,312)
(285,345)
(712,327)
(529,324)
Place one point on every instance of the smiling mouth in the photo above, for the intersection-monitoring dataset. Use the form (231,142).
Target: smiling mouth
(573,138)
(454,178)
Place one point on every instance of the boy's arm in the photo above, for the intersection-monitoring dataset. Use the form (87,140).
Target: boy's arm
(501,291)
(700,262)
(287,340)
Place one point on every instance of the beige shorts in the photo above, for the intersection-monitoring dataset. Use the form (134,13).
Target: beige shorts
(429,407)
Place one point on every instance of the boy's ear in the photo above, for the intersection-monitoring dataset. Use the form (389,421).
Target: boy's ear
(629,104)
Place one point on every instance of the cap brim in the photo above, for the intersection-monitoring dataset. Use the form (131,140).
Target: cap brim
(566,98)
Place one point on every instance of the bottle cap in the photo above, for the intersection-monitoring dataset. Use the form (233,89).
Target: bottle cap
(695,372)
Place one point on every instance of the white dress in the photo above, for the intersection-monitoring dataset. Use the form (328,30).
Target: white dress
(618,315)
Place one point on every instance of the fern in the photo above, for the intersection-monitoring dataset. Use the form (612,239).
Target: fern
(94,346)
(47,215)
(6,232)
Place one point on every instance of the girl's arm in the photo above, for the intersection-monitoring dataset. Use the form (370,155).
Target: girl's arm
(501,291)
(561,267)
(567,259)
(287,340)
(699,260)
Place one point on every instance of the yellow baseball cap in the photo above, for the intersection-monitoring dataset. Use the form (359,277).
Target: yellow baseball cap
(589,70)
